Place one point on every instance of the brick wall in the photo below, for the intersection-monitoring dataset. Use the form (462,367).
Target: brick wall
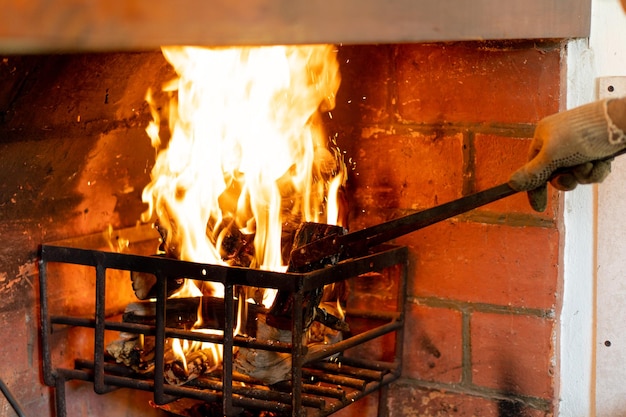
(422,125)
(73,159)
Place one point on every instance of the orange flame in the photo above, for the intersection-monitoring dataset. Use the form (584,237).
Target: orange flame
(245,151)
(246,147)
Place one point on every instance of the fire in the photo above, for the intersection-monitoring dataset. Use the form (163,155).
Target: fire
(246,148)
(245,156)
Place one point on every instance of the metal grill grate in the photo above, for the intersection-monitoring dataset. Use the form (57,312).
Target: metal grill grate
(318,387)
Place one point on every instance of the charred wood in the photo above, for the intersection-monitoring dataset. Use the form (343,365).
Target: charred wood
(280,314)
(183,312)
(144,285)
(263,365)
(179,371)
(134,351)
(272,367)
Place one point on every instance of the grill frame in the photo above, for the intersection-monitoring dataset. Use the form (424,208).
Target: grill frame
(106,377)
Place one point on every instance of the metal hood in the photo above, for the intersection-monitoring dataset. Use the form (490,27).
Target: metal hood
(105,25)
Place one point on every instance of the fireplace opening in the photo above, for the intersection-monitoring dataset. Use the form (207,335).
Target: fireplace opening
(242,177)
(313,387)
(420,125)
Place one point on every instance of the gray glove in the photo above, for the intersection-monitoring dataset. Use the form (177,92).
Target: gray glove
(583,138)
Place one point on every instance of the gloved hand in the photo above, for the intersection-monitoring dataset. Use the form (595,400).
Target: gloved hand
(581,138)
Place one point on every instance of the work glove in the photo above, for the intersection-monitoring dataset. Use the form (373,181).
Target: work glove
(583,139)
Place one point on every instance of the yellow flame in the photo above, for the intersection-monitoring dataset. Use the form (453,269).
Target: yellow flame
(246,146)
(179,347)
(245,151)
(115,242)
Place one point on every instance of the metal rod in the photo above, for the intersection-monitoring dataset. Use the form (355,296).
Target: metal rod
(159,343)
(108,325)
(11,399)
(227,351)
(330,392)
(383,396)
(301,399)
(357,243)
(259,393)
(59,396)
(297,355)
(338,347)
(402,291)
(100,319)
(342,380)
(338,367)
(373,315)
(136,328)
(46,325)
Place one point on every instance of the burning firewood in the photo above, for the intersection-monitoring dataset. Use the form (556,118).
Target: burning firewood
(280,314)
(272,367)
(134,351)
(275,325)
(236,247)
(126,350)
(263,365)
(144,285)
(327,330)
(179,371)
(183,313)
(137,351)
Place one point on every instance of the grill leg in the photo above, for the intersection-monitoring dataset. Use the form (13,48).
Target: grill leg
(383,393)
(59,397)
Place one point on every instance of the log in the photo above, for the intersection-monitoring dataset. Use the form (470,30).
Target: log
(134,351)
(262,365)
(271,367)
(144,285)
(236,248)
(137,351)
(266,366)
(280,314)
(182,313)
(196,364)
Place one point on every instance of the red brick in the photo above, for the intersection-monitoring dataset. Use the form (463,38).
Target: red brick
(19,357)
(363,95)
(513,354)
(382,348)
(411,401)
(365,407)
(408,172)
(477,82)
(379,292)
(433,344)
(83,401)
(496,159)
(511,266)
(73,89)
(375,289)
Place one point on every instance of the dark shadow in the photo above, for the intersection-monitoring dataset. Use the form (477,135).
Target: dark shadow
(510,409)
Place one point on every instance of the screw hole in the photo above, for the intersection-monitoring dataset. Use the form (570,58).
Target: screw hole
(607,343)
(611,88)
